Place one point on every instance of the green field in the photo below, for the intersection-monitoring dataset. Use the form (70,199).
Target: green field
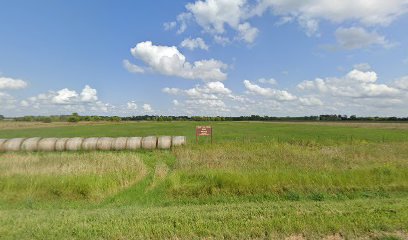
(258,180)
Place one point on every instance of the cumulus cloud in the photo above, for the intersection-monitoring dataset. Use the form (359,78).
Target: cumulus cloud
(170,61)
(279,95)
(65,101)
(247,32)
(375,12)
(310,101)
(194,43)
(208,98)
(176,102)
(147,108)
(402,83)
(355,84)
(131,105)
(357,37)
(89,94)
(64,96)
(11,83)
(218,16)
(210,90)
(7,101)
(215,16)
(133,68)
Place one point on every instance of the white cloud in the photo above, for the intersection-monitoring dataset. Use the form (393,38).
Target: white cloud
(194,43)
(374,12)
(210,90)
(270,81)
(222,40)
(133,68)
(169,61)
(310,101)
(183,19)
(7,101)
(311,26)
(24,103)
(11,83)
(209,98)
(65,101)
(247,32)
(356,84)
(362,67)
(65,96)
(357,37)
(89,94)
(402,83)
(147,108)
(169,25)
(215,16)
(279,95)
(131,105)
(218,16)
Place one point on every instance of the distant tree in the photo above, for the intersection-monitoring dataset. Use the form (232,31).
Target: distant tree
(115,119)
(1,117)
(73,119)
(47,120)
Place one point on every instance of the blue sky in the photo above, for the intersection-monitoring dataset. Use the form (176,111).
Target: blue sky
(205,57)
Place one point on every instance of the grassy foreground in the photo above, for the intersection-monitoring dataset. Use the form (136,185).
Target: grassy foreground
(259,180)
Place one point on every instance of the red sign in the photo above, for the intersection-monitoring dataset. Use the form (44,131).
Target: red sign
(203,131)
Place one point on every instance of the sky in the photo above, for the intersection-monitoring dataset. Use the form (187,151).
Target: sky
(204,57)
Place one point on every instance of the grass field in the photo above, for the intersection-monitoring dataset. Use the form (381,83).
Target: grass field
(258,180)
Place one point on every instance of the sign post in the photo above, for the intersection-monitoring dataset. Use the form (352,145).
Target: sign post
(204,131)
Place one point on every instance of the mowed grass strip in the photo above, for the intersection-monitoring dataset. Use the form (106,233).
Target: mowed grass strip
(67,176)
(350,219)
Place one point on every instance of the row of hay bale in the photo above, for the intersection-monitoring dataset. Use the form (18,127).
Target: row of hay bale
(89,144)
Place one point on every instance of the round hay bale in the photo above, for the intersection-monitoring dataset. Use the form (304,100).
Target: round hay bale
(1,144)
(104,144)
(13,145)
(178,141)
(89,144)
(30,144)
(134,143)
(119,143)
(149,142)
(47,144)
(164,142)
(73,144)
(60,144)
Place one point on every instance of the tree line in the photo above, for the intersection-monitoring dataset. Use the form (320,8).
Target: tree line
(75,117)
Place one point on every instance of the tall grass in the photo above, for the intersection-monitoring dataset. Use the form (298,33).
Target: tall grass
(72,176)
(291,171)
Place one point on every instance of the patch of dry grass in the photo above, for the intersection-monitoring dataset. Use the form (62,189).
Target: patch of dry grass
(42,176)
